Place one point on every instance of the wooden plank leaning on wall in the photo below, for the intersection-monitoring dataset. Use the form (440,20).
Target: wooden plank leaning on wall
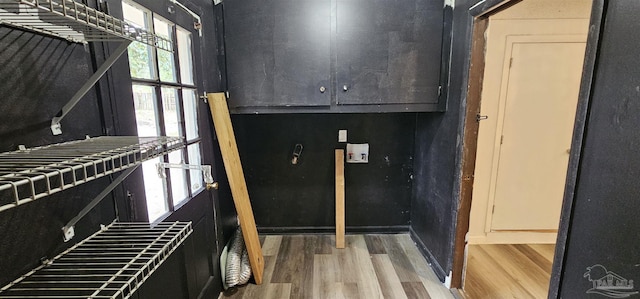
(340,198)
(235,174)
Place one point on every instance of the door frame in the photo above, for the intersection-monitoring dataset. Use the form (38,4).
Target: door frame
(478,18)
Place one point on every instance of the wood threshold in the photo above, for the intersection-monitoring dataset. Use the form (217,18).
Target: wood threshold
(523,271)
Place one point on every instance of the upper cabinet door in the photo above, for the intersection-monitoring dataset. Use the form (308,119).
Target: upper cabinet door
(278,53)
(388,51)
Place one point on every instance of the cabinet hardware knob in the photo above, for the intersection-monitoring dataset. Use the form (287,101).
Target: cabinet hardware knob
(345,87)
(322,89)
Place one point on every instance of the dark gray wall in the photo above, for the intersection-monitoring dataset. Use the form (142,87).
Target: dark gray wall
(38,76)
(288,197)
(435,197)
(604,221)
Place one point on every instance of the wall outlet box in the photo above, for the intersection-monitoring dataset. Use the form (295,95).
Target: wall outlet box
(357,153)
(342,135)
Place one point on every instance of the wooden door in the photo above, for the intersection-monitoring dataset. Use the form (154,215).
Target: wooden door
(532,77)
(538,111)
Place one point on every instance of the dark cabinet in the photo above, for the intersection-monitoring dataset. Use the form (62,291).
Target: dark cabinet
(333,55)
(388,51)
(278,52)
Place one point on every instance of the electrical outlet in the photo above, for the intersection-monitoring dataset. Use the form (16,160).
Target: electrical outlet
(342,136)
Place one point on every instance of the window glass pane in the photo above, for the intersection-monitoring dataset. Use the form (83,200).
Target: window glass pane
(178,178)
(155,190)
(166,64)
(179,118)
(144,100)
(171,112)
(189,99)
(185,57)
(140,65)
(140,55)
(197,182)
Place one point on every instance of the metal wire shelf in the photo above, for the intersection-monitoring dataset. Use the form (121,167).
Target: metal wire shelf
(75,22)
(112,263)
(30,174)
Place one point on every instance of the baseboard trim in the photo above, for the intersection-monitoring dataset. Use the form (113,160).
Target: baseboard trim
(515,238)
(437,269)
(332,230)
(211,288)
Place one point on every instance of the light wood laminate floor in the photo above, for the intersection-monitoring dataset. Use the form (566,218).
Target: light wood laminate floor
(371,266)
(508,271)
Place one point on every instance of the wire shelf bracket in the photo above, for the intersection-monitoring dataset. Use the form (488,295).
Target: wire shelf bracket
(112,263)
(28,175)
(78,23)
(56,128)
(68,231)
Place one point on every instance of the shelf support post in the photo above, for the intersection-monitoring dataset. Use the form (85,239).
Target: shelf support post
(56,129)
